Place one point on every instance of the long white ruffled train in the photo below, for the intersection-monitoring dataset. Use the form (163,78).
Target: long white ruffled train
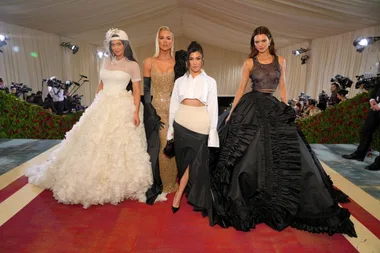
(103,159)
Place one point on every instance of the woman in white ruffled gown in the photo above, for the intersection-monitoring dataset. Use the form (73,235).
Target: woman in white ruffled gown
(103,158)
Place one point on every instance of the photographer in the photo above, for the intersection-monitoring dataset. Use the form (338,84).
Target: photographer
(338,89)
(333,100)
(312,109)
(3,86)
(20,90)
(323,98)
(38,99)
(56,93)
(303,99)
(49,104)
(371,124)
(30,98)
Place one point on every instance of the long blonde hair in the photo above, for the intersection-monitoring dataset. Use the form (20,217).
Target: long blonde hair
(163,28)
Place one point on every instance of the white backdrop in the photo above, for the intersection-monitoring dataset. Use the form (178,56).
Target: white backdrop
(224,24)
(337,55)
(17,64)
(328,56)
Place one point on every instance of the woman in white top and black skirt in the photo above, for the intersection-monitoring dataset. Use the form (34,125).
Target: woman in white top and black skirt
(193,117)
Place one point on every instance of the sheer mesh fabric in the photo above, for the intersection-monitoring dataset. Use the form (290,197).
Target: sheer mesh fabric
(130,67)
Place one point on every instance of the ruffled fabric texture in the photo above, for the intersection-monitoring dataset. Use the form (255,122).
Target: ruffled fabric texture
(103,158)
(265,173)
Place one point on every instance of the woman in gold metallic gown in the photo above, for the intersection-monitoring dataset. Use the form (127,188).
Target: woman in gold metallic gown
(159,82)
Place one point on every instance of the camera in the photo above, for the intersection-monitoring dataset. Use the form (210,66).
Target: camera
(368,81)
(56,83)
(303,97)
(75,104)
(53,82)
(323,97)
(67,85)
(20,88)
(344,82)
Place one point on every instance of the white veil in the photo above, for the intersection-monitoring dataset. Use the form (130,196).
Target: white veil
(117,34)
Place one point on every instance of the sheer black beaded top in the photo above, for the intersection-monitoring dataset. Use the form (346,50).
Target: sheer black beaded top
(265,77)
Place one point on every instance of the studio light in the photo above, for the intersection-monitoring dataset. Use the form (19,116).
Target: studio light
(102,54)
(304,58)
(360,43)
(300,51)
(99,54)
(3,41)
(73,48)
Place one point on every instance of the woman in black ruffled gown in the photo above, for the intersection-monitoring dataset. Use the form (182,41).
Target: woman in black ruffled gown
(265,171)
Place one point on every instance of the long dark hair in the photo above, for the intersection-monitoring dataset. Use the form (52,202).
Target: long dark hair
(128,53)
(262,30)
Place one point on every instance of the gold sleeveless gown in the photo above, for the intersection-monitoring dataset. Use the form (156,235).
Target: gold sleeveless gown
(161,88)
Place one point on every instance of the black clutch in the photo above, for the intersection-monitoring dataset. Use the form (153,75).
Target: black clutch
(169,149)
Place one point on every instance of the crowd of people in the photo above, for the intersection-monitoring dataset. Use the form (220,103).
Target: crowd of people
(57,101)
(305,106)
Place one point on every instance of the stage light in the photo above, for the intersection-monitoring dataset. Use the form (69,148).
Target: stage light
(360,43)
(3,41)
(304,58)
(102,54)
(300,51)
(73,48)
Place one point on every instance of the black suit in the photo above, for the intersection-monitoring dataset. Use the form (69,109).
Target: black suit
(371,124)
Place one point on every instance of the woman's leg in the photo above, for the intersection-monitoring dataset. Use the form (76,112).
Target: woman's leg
(181,188)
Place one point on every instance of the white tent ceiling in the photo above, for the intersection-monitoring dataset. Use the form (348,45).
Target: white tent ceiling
(227,24)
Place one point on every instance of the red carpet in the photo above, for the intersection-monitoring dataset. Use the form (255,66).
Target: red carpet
(46,226)
(12,188)
(365,218)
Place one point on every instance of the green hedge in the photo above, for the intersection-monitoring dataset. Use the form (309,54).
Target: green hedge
(339,124)
(22,120)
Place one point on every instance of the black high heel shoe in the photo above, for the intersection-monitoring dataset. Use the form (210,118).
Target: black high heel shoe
(175,209)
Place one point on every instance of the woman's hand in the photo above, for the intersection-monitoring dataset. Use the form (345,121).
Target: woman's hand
(136,119)
(228,118)
(375,107)
(373,104)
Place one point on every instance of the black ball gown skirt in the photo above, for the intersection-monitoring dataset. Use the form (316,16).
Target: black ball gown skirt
(191,151)
(266,172)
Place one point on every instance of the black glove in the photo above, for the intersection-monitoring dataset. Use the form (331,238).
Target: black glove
(130,86)
(162,125)
(169,149)
(147,96)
